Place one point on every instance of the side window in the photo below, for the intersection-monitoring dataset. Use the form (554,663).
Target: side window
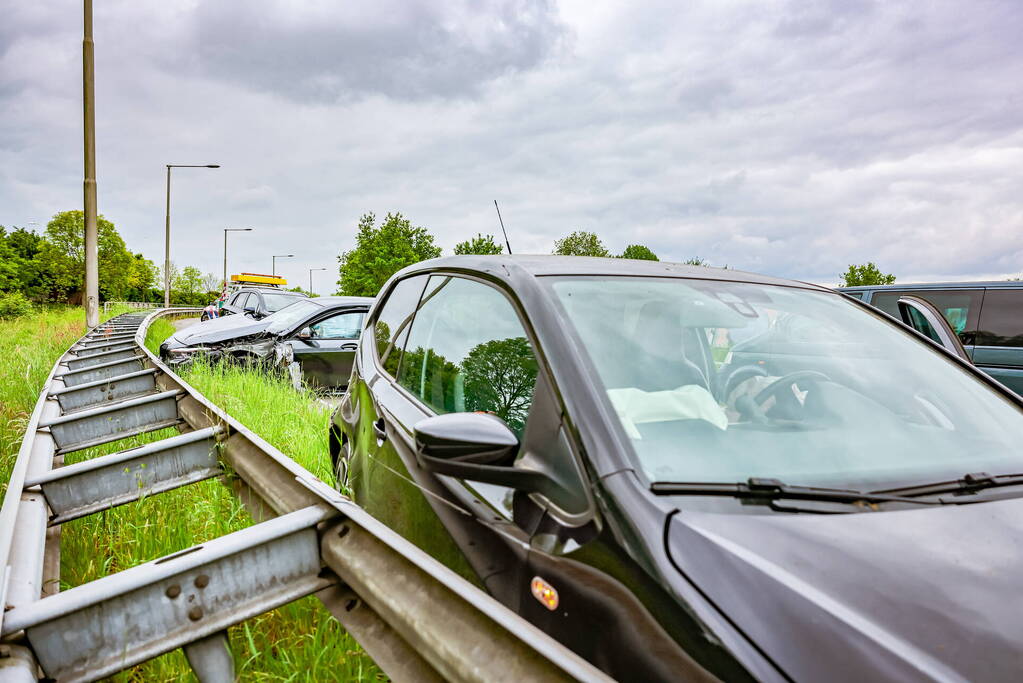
(467,351)
(241,299)
(1001,319)
(855,295)
(960,308)
(390,328)
(341,326)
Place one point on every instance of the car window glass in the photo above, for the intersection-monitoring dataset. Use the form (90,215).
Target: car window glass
(806,387)
(855,295)
(468,351)
(390,328)
(240,299)
(275,302)
(1001,319)
(341,326)
(919,323)
(960,308)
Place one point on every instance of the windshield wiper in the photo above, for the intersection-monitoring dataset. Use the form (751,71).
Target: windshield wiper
(769,490)
(970,483)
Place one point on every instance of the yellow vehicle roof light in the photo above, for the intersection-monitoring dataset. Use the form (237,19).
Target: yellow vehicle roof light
(258,279)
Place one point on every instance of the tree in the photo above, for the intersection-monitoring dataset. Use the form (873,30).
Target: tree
(581,243)
(144,278)
(189,282)
(868,274)
(695,261)
(211,282)
(62,257)
(380,252)
(638,251)
(480,244)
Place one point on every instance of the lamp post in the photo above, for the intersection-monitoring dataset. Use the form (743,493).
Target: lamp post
(227,230)
(273,262)
(311,278)
(89,186)
(166,237)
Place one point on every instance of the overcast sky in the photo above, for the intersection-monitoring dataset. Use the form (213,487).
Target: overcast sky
(789,138)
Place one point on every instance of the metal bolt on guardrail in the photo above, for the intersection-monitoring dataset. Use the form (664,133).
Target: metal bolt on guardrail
(415,617)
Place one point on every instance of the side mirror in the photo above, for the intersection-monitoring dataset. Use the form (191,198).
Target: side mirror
(305,333)
(478,447)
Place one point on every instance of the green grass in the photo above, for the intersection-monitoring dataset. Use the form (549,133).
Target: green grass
(297,642)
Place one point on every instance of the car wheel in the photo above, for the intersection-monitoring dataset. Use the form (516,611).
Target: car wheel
(339,452)
(203,318)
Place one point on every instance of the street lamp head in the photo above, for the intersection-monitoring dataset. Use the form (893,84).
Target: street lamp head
(212,165)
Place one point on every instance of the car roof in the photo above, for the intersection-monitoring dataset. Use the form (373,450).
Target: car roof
(326,301)
(986,284)
(546,265)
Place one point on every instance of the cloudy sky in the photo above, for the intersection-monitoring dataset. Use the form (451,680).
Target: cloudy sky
(789,138)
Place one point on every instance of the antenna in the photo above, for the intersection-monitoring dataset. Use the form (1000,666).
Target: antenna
(505,232)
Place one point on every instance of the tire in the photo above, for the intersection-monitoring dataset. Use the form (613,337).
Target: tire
(339,452)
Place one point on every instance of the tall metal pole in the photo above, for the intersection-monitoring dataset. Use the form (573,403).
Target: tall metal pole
(273,261)
(311,278)
(166,234)
(89,111)
(166,248)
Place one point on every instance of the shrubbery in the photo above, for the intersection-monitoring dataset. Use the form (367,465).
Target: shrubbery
(14,305)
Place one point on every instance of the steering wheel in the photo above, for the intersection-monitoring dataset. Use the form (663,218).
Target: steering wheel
(787,381)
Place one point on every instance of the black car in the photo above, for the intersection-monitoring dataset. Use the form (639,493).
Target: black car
(258,302)
(690,473)
(314,339)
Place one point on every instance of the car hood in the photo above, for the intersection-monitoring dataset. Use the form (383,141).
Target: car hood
(928,594)
(219,330)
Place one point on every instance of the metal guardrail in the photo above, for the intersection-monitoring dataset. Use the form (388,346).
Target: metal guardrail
(137,305)
(416,618)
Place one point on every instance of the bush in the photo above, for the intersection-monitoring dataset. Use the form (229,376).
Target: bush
(14,305)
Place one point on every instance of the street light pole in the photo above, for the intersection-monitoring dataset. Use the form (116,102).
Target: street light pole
(89,186)
(227,230)
(273,261)
(311,278)
(166,235)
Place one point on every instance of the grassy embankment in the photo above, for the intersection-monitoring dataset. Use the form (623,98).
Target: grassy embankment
(300,641)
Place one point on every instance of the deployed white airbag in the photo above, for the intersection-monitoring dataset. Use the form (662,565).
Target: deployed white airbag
(691,402)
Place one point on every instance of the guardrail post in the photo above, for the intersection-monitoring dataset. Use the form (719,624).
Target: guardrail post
(210,659)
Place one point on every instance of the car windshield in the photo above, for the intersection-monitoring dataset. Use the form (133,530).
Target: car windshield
(275,301)
(289,316)
(722,381)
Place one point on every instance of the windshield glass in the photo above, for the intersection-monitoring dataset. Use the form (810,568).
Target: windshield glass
(276,301)
(289,316)
(722,381)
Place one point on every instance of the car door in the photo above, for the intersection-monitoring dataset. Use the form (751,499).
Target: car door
(999,350)
(926,319)
(960,307)
(236,305)
(325,349)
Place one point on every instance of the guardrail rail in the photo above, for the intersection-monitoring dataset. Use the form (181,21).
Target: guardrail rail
(417,619)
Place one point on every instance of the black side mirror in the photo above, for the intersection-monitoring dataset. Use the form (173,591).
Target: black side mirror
(479,447)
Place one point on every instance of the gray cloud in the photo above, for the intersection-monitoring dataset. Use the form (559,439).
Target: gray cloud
(405,50)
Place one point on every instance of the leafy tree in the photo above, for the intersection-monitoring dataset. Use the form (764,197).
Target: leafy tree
(580,243)
(380,252)
(300,290)
(638,251)
(144,278)
(189,282)
(62,257)
(867,274)
(695,261)
(480,244)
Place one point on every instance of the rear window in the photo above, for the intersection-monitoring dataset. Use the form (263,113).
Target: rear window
(961,308)
(1001,319)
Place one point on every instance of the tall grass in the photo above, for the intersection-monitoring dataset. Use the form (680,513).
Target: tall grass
(298,642)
